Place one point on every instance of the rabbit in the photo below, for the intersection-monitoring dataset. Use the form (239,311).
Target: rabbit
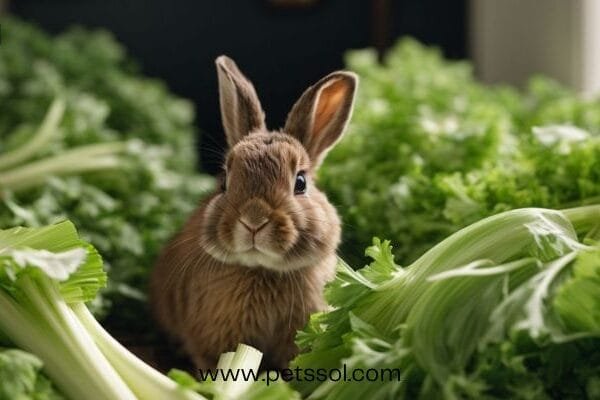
(251,263)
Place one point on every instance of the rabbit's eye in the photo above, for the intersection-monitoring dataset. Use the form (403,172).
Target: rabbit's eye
(300,186)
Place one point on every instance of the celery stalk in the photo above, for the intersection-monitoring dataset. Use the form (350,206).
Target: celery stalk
(245,358)
(46,327)
(144,381)
(81,159)
(497,238)
(45,133)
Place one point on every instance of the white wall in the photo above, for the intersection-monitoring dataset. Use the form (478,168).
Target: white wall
(513,39)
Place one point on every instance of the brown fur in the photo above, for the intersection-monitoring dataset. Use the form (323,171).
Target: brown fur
(250,265)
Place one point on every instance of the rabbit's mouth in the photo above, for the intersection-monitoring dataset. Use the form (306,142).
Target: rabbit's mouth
(256,258)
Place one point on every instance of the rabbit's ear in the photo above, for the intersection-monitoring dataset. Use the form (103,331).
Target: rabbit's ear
(319,117)
(241,112)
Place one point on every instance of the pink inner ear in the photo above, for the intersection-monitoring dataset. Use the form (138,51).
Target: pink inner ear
(330,101)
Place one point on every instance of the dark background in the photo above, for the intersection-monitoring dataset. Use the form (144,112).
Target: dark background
(282,49)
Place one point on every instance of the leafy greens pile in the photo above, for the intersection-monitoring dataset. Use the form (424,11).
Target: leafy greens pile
(505,308)
(508,307)
(83,136)
(430,150)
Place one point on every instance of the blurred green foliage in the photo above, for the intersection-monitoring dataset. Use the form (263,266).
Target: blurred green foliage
(431,150)
(21,377)
(128,212)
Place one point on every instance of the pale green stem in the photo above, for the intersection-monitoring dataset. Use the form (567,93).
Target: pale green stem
(46,298)
(245,358)
(82,159)
(583,218)
(37,338)
(145,381)
(44,134)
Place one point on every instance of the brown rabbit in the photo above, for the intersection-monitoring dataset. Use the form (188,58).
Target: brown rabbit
(250,264)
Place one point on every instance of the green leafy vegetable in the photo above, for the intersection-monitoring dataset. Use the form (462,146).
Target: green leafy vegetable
(430,150)
(21,377)
(503,308)
(578,300)
(36,317)
(84,136)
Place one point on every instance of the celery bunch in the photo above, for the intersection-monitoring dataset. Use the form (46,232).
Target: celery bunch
(507,307)
(46,275)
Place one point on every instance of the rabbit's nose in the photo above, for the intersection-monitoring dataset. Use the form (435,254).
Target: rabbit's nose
(254,215)
(254,226)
